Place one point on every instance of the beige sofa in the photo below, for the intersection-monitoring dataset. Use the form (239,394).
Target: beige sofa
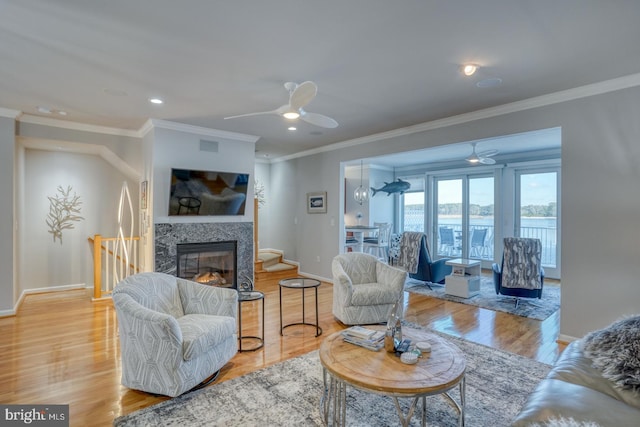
(574,389)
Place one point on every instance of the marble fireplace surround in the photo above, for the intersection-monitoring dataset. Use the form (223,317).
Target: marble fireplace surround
(168,236)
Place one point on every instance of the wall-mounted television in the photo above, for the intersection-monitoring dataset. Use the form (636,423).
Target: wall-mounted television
(199,192)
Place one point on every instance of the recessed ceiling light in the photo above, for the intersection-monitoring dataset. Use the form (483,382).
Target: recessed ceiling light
(44,110)
(469,69)
(156,100)
(62,113)
(291,128)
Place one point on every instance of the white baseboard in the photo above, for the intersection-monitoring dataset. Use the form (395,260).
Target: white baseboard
(566,338)
(288,261)
(313,276)
(7,313)
(16,306)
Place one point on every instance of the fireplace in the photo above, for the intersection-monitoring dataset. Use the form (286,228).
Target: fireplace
(209,263)
(169,236)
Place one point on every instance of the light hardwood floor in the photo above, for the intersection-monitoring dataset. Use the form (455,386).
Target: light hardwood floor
(62,348)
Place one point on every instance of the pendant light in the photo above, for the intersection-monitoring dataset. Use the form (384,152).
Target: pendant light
(361,194)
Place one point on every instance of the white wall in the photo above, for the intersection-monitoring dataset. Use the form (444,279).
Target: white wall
(7,238)
(381,206)
(181,150)
(353,208)
(601,210)
(45,263)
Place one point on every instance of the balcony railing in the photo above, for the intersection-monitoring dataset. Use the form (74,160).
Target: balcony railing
(547,236)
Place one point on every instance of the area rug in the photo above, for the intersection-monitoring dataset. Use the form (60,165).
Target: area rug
(538,309)
(288,394)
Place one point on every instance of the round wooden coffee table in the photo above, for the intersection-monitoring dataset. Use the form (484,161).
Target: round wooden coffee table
(383,373)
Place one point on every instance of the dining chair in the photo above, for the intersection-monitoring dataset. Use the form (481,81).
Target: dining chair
(350,243)
(378,244)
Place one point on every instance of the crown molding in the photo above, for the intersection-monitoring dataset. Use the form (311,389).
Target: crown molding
(81,148)
(181,127)
(146,127)
(10,114)
(65,124)
(513,107)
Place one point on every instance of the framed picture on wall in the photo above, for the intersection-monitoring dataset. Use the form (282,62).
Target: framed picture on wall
(317,202)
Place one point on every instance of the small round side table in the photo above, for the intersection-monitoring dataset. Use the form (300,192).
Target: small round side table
(300,283)
(246,296)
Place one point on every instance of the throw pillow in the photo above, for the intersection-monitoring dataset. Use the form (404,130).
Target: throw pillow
(615,350)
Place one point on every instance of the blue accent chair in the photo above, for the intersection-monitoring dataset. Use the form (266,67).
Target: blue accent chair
(520,274)
(429,270)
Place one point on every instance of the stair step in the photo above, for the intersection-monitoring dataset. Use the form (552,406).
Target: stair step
(269,258)
(279,267)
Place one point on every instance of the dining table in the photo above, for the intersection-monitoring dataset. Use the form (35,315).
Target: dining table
(359,232)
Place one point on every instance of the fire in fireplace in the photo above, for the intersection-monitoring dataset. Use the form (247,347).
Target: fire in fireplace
(210,263)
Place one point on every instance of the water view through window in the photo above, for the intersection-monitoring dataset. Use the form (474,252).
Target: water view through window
(468,229)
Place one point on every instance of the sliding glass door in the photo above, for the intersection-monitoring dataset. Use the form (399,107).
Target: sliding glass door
(464,216)
(537,200)
(480,231)
(449,216)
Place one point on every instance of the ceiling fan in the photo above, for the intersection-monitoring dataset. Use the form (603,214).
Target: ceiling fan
(299,96)
(483,157)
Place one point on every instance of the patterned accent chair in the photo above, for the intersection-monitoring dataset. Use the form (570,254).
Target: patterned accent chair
(521,274)
(174,333)
(364,288)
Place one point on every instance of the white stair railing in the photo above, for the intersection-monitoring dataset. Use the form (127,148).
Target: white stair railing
(110,255)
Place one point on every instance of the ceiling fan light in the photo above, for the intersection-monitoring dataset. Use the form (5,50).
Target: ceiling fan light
(469,69)
(291,115)
(474,159)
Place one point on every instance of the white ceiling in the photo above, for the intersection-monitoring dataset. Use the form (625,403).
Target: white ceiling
(379,65)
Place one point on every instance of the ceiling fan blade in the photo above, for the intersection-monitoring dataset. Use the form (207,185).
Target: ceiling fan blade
(303,94)
(487,161)
(318,120)
(253,114)
(488,153)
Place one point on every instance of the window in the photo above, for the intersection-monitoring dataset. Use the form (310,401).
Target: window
(412,208)
(413,211)
(537,213)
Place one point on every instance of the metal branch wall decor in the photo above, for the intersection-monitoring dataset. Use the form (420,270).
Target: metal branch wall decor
(64,210)
(258,192)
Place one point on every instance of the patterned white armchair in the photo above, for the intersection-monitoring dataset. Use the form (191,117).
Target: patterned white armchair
(174,333)
(364,288)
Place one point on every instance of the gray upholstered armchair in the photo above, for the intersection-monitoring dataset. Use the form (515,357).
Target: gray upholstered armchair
(174,333)
(364,288)
(521,273)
